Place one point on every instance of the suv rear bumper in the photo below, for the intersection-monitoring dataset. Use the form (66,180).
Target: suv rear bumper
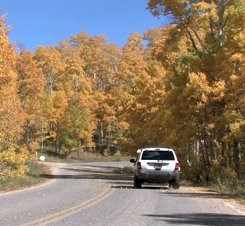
(154,176)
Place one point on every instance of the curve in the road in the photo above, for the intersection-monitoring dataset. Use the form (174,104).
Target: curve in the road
(73,210)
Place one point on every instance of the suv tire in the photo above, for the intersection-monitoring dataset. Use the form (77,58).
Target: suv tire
(137,183)
(174,184)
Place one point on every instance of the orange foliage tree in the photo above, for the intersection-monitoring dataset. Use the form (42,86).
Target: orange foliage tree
(13,157)
(201,56)
(30,91)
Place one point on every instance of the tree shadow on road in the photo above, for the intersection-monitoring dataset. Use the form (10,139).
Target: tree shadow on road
(107,174)
(200,219)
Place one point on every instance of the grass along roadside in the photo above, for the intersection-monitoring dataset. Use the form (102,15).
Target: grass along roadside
(33,177)
(83,157)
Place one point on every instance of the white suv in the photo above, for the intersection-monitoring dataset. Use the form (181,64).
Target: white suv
(156,165)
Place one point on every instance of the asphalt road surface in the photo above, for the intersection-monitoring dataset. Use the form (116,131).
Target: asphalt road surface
(93,194)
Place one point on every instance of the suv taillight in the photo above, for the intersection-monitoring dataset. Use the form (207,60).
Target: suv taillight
(177,166)
(139,165)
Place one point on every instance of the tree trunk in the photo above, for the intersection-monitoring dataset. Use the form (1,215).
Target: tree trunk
(236,157)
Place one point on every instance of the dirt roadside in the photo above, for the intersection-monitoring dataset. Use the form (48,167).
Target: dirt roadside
(237,204)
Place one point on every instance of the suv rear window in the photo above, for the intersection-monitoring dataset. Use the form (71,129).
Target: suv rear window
(157,155)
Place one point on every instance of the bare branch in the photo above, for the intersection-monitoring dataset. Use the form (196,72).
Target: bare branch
(190,36)
(199,40)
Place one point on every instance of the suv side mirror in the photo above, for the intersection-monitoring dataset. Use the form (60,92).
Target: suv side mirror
(133,161)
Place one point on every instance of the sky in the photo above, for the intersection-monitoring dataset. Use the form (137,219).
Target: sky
(46,22)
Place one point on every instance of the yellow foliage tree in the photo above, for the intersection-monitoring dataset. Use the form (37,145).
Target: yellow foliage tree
(202,76)
(31,90)
(12,157)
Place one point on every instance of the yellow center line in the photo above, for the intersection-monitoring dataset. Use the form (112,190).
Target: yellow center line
(70,211)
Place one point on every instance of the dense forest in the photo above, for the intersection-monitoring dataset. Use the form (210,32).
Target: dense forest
(179,86)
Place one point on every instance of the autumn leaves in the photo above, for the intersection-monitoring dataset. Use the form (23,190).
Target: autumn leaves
(180,86)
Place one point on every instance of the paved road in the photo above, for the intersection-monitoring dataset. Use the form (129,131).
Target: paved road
(92,194)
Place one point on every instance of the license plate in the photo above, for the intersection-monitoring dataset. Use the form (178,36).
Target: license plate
(158,166)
